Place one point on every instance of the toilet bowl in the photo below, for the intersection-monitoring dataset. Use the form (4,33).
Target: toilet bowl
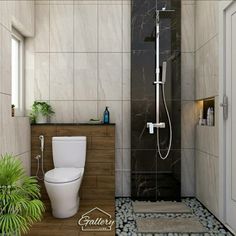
(63,182)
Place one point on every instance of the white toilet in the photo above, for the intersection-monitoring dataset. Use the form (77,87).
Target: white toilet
(63,182)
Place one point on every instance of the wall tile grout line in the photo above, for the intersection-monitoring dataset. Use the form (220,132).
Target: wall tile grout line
(22,153)
(84,100)
(207,153)
(98,14)
(122,104)
(206,43)
(5,93)
(73,63)
(103,52)
(49,54)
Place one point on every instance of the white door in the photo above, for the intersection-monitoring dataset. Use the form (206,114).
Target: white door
(230,70)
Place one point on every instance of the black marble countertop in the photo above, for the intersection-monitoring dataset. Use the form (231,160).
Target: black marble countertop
(74,124)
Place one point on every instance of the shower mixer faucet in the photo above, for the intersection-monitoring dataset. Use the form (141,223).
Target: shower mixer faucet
(151,126)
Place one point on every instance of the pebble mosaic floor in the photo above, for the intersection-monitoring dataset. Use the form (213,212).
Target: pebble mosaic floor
(126,225)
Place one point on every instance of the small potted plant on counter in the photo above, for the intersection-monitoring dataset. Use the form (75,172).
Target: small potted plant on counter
(41,112)
(20,206)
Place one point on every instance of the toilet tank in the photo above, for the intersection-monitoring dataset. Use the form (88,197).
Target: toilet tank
(69,151)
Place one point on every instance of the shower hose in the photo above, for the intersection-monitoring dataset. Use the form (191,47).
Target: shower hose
(38,167)
(163,157)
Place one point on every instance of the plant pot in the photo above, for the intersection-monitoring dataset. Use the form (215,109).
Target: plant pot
(41,119)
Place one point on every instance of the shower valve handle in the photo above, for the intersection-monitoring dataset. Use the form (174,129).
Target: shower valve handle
(150,126)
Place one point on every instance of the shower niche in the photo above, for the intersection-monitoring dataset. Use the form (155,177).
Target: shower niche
(151,177)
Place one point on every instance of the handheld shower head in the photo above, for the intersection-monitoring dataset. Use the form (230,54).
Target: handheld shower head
(164,68)
(41,138)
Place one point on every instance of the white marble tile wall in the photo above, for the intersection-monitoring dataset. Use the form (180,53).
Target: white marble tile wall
(110,28)
(110,76)
(86,76)
(188,120)
(82,64)
(41,39)
(85,109)
(14,132)
(61,76)
(64,111)
(41,87)
(206,21)
(85,20)
(18,13)
(206,69)
(61,28)
(5,54)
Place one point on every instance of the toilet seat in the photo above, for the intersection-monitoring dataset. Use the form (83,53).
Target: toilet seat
(63,175)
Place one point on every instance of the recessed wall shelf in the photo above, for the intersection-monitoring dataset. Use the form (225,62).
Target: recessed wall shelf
(203,107)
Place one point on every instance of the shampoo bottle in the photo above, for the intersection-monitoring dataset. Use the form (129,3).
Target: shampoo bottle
(212,116)
(208,116)
(106,116)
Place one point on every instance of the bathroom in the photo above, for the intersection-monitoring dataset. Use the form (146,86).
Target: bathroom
(165,150)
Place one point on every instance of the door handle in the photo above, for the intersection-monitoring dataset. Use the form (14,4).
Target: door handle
(225,105)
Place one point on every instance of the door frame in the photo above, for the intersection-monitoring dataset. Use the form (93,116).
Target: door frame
(223,5)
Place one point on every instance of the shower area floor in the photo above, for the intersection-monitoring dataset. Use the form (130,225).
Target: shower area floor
(129,222)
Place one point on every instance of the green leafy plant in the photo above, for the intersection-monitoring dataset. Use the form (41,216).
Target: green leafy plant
(42,108)
(20,206)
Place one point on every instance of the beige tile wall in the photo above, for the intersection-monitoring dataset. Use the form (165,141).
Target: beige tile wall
(206,85)
(80,63)
(14,132)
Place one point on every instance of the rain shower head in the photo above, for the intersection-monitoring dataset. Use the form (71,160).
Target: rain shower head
(164,8)
(164,13)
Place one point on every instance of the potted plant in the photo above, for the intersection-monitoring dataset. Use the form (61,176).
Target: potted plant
(20,206)
(41,112)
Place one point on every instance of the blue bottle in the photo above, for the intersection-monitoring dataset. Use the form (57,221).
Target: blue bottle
(106,116)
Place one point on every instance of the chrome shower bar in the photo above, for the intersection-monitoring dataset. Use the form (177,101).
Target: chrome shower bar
(157,82)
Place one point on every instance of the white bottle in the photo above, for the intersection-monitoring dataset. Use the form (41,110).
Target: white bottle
(211,116)
(208,116)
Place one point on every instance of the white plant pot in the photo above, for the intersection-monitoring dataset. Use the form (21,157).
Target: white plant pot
(41,119)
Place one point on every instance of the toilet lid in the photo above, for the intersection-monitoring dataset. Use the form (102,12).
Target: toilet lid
(63,175)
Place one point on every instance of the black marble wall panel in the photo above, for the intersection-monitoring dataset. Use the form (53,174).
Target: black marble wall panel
(154,178)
